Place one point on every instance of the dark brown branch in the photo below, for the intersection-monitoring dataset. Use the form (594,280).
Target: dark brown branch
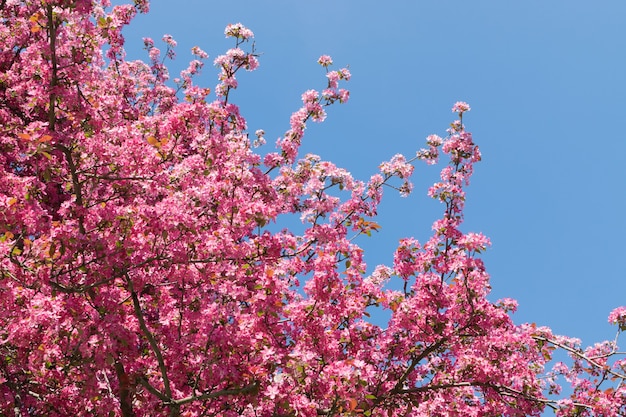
(153,343)
(125,395)
(143,381)
(76,184)
(430,349)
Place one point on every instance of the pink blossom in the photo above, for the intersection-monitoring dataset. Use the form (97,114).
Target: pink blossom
(325,61)
(380,275)
(333,79)
(434,140)
(310,96)
(474,242)
(397,165)
(508,304)
(455,126)
(155,53)
(197,51)
(142,5)
(239,31)
(618,316)
(252,63)
(169,40)
(460,107)
(344,95)
(221,60)
(148,43)
(235,54)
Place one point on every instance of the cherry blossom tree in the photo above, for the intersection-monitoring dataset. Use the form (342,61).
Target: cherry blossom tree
(144,270)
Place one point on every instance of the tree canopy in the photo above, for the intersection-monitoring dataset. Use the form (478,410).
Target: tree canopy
(144,270)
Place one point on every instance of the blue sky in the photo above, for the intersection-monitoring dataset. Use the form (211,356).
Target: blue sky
(547,84)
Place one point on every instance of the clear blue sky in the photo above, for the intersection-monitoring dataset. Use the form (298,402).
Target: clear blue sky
(547,84)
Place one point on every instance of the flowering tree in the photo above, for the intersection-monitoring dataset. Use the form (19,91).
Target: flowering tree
(142,273)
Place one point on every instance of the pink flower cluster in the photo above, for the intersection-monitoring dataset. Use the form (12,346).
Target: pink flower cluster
(400,167)
(313,108)
(238,31)
(335,76)
(325,61)
(234,59)
(460,107)
(618,316)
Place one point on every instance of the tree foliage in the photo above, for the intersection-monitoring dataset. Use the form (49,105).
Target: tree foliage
(144,272)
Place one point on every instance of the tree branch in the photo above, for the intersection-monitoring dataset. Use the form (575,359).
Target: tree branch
(153,343)
(252,388)
(581,356)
